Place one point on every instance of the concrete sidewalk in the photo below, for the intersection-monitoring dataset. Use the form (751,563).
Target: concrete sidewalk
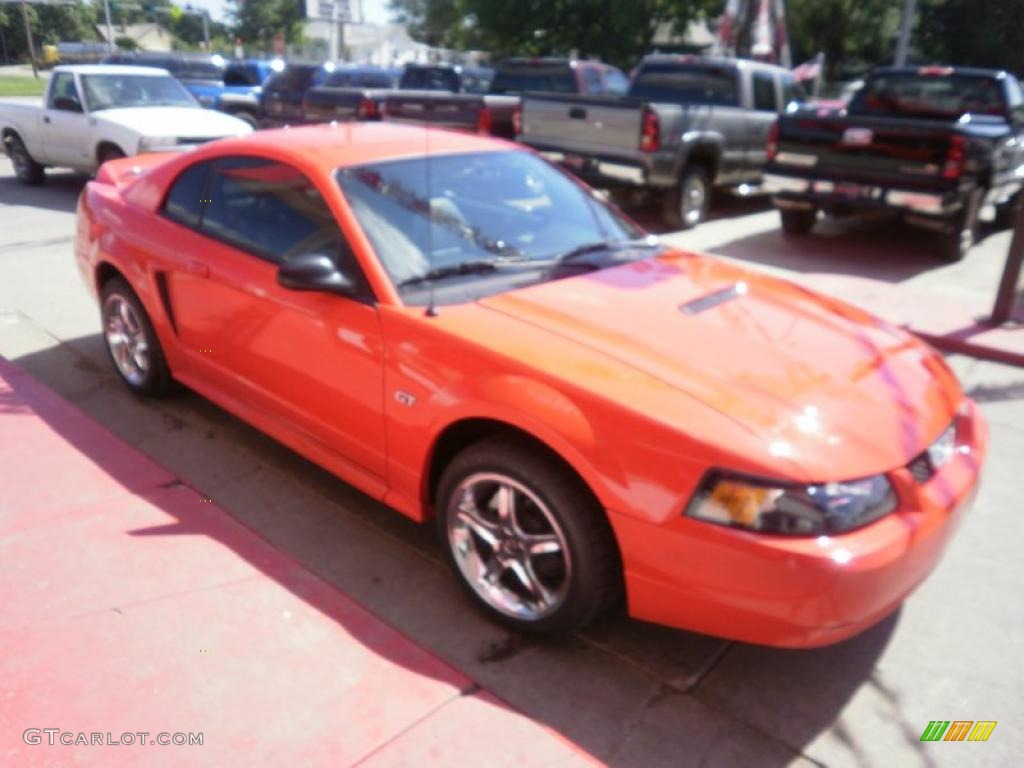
(132,604)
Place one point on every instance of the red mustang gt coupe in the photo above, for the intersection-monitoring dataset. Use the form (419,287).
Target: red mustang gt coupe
(467,333)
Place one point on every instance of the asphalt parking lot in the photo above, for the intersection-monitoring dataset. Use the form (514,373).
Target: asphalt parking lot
(630,694)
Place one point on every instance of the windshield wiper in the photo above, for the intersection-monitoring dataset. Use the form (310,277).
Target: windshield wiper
(578,256)
(476,267)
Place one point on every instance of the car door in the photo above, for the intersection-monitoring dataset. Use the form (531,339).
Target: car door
(64,125)
(312,361)
(764,111)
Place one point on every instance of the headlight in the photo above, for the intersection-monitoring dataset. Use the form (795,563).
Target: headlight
(150,143)
(797,510)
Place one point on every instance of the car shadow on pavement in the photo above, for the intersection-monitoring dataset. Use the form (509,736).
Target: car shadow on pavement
(724,205)
(59,192)
(626,692)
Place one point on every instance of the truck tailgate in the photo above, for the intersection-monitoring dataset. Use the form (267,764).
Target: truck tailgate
(608,126)
(864,149)
(450,110)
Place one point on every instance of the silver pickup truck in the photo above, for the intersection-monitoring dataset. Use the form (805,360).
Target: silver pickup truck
(686,124)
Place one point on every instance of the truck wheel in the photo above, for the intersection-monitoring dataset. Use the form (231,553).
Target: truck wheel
(249,118)
(686,206)
(797,222)
(965,229)
(29,172)
(131,341)
(525,538)
(110,152)
(1004,212)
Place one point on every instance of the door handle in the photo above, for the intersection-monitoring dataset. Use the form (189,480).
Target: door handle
(198,268)
(578,113)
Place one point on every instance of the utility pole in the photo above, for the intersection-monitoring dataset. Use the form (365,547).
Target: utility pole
(206,30)
(110,29)
(906,24)
(28,37)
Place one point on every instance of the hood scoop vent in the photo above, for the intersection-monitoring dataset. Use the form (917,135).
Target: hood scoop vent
(713,299)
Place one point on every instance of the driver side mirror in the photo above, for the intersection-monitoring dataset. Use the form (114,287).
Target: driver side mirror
(67,104)
(315,272)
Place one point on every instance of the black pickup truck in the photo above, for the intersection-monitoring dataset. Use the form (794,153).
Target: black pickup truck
(939,146)
(495,112)
(349,93)
(686,124)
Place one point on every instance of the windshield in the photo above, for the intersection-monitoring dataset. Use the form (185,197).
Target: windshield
(541,76)
(471,208)
(686,84)
(114,91)
(929,96)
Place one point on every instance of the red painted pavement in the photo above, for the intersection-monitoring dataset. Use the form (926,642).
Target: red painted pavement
(128,604)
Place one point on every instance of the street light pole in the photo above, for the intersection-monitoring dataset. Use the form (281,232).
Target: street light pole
(905,25)
(110,29)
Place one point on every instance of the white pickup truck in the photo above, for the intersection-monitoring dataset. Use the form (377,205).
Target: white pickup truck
(94,113)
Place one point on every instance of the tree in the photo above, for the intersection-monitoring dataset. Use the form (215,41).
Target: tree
(258,21)
(980,33)
(49,23)
(855,35)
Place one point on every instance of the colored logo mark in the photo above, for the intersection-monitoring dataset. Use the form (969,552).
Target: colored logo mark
(958,730)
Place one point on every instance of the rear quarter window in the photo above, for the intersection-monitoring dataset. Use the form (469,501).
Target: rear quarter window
(184,201)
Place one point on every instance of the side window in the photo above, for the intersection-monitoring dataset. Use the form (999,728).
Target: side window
(1014,98)
(184,201)
(268,209)
(615,82)
(63,88)
(592,80)
(792,91)
(764,92)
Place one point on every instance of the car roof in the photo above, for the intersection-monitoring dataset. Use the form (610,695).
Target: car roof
(341,145)
(110,69)
(713,61)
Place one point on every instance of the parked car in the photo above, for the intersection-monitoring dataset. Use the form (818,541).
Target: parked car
(686,124)
(349,93)
(93,113)
(496,112)
(472,335)
(284,92)
(935,145)
(232,86)
(453,78)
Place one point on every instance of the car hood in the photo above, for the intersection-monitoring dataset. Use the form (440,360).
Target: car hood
(825,386)
(174,121)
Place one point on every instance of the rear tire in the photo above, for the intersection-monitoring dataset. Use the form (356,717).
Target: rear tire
(131,342)
(965,230)
(797,223)
(686,206)
(110,152)
(525,538)
(29,172)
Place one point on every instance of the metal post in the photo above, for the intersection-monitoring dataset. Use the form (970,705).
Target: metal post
(1009,286)
(206,30)
(905,26)
(110,29)
(28,37)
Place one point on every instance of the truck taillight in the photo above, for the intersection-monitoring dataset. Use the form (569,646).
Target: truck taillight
(650,132)
(368,109)
(772,146)
(517,119)
(483,121)
(956,158)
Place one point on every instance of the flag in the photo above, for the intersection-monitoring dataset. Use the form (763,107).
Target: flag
(809,70)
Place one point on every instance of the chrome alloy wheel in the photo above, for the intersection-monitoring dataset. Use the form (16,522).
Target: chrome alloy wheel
(692,200)
(509,546)
(126,339)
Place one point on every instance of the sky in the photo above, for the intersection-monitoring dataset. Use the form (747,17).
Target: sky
(375,11)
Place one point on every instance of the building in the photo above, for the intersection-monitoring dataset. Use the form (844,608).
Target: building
(148,36)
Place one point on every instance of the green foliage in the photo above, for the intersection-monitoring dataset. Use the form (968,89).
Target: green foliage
(854,34)
(981,33)
(257,21)
(49,23)
(126,43)
(617,32)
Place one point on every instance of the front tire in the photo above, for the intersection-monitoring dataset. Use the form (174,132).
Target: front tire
(29,172)
(131,342)
(110,152)
(525,538)
(797,223)
(686,206)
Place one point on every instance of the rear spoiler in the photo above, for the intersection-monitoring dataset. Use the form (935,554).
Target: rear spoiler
(121,173)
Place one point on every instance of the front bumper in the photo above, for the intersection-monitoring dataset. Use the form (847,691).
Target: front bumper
(796,591)
(799,192)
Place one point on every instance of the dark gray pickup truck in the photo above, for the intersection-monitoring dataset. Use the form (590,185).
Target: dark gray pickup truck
(686,124)
(496,112)
(938,146)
